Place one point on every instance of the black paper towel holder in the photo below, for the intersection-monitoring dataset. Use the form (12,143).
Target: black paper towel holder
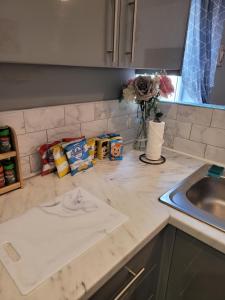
(146,160)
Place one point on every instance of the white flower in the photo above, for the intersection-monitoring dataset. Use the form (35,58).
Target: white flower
(129,93)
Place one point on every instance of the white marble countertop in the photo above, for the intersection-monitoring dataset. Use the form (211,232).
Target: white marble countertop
(132,188)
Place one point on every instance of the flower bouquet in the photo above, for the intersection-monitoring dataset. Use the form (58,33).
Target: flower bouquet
(145,90)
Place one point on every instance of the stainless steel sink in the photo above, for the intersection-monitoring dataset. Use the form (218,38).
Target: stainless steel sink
(200,196)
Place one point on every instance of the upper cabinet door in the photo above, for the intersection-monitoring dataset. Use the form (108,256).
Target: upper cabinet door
(62,32)
(152,33)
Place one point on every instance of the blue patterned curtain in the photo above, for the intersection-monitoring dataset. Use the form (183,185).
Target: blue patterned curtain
(203,41)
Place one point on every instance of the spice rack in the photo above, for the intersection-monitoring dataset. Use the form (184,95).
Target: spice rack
(13,154)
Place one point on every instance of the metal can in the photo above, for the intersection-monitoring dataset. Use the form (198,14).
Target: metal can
(5,143)
(10,174)
(2,177)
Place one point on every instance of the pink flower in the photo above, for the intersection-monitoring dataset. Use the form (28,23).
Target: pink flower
(165,86)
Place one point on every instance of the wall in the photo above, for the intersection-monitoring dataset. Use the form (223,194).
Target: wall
(47,124)
(198,131)
(218,93)
(27,86)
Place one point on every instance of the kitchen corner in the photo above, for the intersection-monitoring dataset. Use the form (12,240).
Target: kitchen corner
(133,189)
(112,150)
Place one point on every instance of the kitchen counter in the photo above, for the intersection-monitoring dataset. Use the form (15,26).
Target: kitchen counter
(132,188)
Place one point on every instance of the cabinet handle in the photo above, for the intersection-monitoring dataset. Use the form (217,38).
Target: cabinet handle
(131,53)
(133,280)
(115,31)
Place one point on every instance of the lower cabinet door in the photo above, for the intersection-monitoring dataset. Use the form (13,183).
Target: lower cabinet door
(146,288)
(197,271)
(138,279)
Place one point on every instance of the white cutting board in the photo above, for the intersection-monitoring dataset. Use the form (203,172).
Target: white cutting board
(41,241)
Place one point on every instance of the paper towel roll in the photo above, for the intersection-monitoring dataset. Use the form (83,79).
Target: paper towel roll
(155,140)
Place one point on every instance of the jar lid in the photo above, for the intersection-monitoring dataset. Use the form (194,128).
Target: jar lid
(9,166)
(4,131)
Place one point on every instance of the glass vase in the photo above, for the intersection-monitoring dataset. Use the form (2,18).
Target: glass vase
(141,138)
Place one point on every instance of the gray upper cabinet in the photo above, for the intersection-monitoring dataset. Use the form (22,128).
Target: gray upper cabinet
(63,32)
(94,33)
(153,33)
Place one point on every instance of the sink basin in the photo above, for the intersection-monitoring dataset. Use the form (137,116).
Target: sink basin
(209,194)
(200,196)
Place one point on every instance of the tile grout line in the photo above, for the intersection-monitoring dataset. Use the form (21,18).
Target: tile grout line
(210,124)
(23,113)
(190,131)
(46,136)
(176,112)
(64,110)
(205,150)
(107,126)
(80,129)
(30,165)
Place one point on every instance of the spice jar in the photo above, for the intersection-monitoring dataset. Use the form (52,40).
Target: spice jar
(2,177)
(10,173)
(5,144)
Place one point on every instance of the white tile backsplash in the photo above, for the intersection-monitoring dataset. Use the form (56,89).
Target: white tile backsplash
(118,123)
(63,132)
(14,119)
(128,135)
(117,108)
(169,110)
(25,166)
(194,130)
(133,121)
(29,142)
(90,129)
(208,135)
(43,118)
(35,162)
(189,147)
(218,118)
(101,110)
(198,131)
(47,124)
(194,114)
(174,128)
(76,113)
(215,154)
